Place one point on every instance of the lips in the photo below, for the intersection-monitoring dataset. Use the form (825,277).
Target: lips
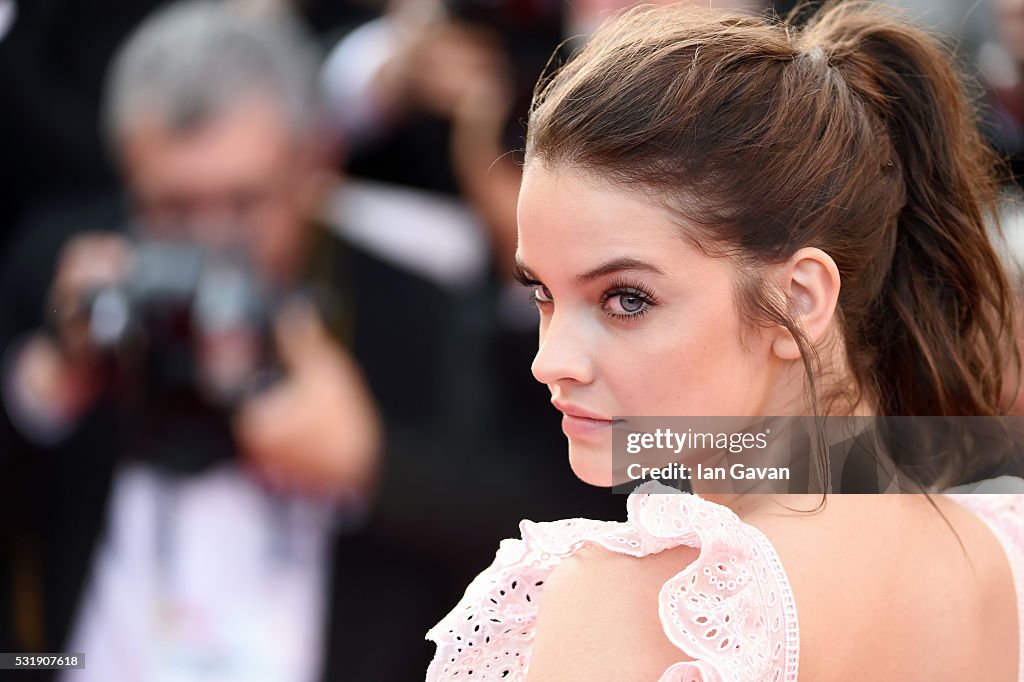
(573,411)
(579,422)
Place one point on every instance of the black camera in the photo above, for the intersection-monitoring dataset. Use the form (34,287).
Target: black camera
(185,337)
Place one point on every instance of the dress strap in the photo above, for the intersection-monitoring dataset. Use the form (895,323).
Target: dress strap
(732,609)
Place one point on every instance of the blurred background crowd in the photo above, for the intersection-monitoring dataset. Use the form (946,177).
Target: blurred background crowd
(265,381)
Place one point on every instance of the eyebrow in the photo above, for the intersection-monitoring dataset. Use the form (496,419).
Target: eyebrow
(617,265)
(609,268)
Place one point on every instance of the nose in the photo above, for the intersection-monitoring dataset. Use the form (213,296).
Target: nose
(563,353)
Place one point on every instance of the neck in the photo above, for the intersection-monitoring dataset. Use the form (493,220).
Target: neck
(794,452)
(742,504)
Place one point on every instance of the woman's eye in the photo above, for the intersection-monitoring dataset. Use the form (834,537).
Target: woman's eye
(626,304)
(541,294)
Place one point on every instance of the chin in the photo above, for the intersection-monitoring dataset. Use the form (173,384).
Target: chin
(591,464)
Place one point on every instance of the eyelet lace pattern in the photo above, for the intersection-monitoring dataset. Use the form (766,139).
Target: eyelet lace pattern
(731,610)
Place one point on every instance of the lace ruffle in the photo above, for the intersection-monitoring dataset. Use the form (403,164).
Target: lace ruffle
(731,610)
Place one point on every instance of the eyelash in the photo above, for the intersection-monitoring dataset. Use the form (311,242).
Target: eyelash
(635,289)
(617,288)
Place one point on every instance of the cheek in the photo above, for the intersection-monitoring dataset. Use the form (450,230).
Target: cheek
(688,369)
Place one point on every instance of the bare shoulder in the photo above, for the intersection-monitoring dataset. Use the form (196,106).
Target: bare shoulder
(598,617)
(889,581)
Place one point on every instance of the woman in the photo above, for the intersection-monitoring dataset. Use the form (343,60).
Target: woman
(724,216)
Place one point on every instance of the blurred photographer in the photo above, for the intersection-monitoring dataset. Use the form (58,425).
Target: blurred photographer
(213,328)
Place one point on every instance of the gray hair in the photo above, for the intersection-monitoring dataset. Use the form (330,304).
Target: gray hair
(193,60)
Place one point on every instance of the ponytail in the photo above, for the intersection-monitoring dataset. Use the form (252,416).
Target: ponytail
(942,325)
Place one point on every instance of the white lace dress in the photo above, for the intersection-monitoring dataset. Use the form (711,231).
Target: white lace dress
(731,610)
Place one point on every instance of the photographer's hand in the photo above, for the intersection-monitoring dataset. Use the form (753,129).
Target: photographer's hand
(436,63)
(54,377)
(88,262)
(489,178)
(317,432)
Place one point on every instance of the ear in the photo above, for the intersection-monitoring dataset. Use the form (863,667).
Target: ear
(810,282)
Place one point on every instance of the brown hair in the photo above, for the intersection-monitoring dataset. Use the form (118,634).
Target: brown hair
(853,134)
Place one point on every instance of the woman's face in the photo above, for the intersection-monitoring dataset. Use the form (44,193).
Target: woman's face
(634,320)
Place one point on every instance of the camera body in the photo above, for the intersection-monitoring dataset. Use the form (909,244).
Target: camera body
(185,337)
